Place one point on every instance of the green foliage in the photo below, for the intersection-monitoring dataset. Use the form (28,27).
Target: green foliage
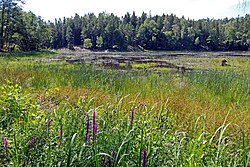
(197,41)
(99,42)
(14,105)
(33,34)
(10,12)
(147,33)
(87,43)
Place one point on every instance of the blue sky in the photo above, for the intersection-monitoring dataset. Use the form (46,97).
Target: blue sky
(193,9)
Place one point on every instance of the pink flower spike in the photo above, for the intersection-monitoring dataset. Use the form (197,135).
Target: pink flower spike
(41,98)
(32,142)
(87,130)
(61,132)
(24,163)
(6,143)
(144,157)
(50,106)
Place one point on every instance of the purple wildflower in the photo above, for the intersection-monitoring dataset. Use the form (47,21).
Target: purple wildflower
(94,127)
(88,137)
(48,124)
(50,106)
(41,98)
(60,143)
(87,131)
(113,156)
(32,141)
(60,135)
(5,142)
(105,162)
(144,157)
(61,132)
(132,116)
(24,163)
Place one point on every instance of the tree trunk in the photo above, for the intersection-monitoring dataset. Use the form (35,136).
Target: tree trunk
(2,25)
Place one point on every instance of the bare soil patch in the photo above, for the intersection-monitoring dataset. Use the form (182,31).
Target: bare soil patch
(181,61)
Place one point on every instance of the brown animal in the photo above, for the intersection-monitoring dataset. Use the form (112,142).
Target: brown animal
(182,69)
(224,62)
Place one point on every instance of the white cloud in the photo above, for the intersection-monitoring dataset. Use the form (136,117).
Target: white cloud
(50,9)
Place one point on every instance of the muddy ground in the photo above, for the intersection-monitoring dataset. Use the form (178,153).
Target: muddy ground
(179,61)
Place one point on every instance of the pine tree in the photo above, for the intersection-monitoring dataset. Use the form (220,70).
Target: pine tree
(70,37)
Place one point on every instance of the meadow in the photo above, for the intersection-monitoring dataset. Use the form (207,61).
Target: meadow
(124,109)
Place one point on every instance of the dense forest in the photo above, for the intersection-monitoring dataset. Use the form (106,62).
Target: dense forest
(20,30)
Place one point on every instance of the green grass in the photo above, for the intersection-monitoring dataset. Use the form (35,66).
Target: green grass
(237,64)
(197,119)
(44,53)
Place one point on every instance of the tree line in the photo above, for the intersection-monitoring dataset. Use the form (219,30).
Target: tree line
(25,31)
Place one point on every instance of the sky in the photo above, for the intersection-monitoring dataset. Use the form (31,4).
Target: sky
(193,9)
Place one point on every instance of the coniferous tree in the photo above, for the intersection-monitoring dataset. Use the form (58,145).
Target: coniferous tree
(19,29)
(77,30)
(70,36)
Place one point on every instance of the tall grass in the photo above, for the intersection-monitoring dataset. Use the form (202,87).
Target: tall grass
(227,86)
(116,143)
(187,120)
